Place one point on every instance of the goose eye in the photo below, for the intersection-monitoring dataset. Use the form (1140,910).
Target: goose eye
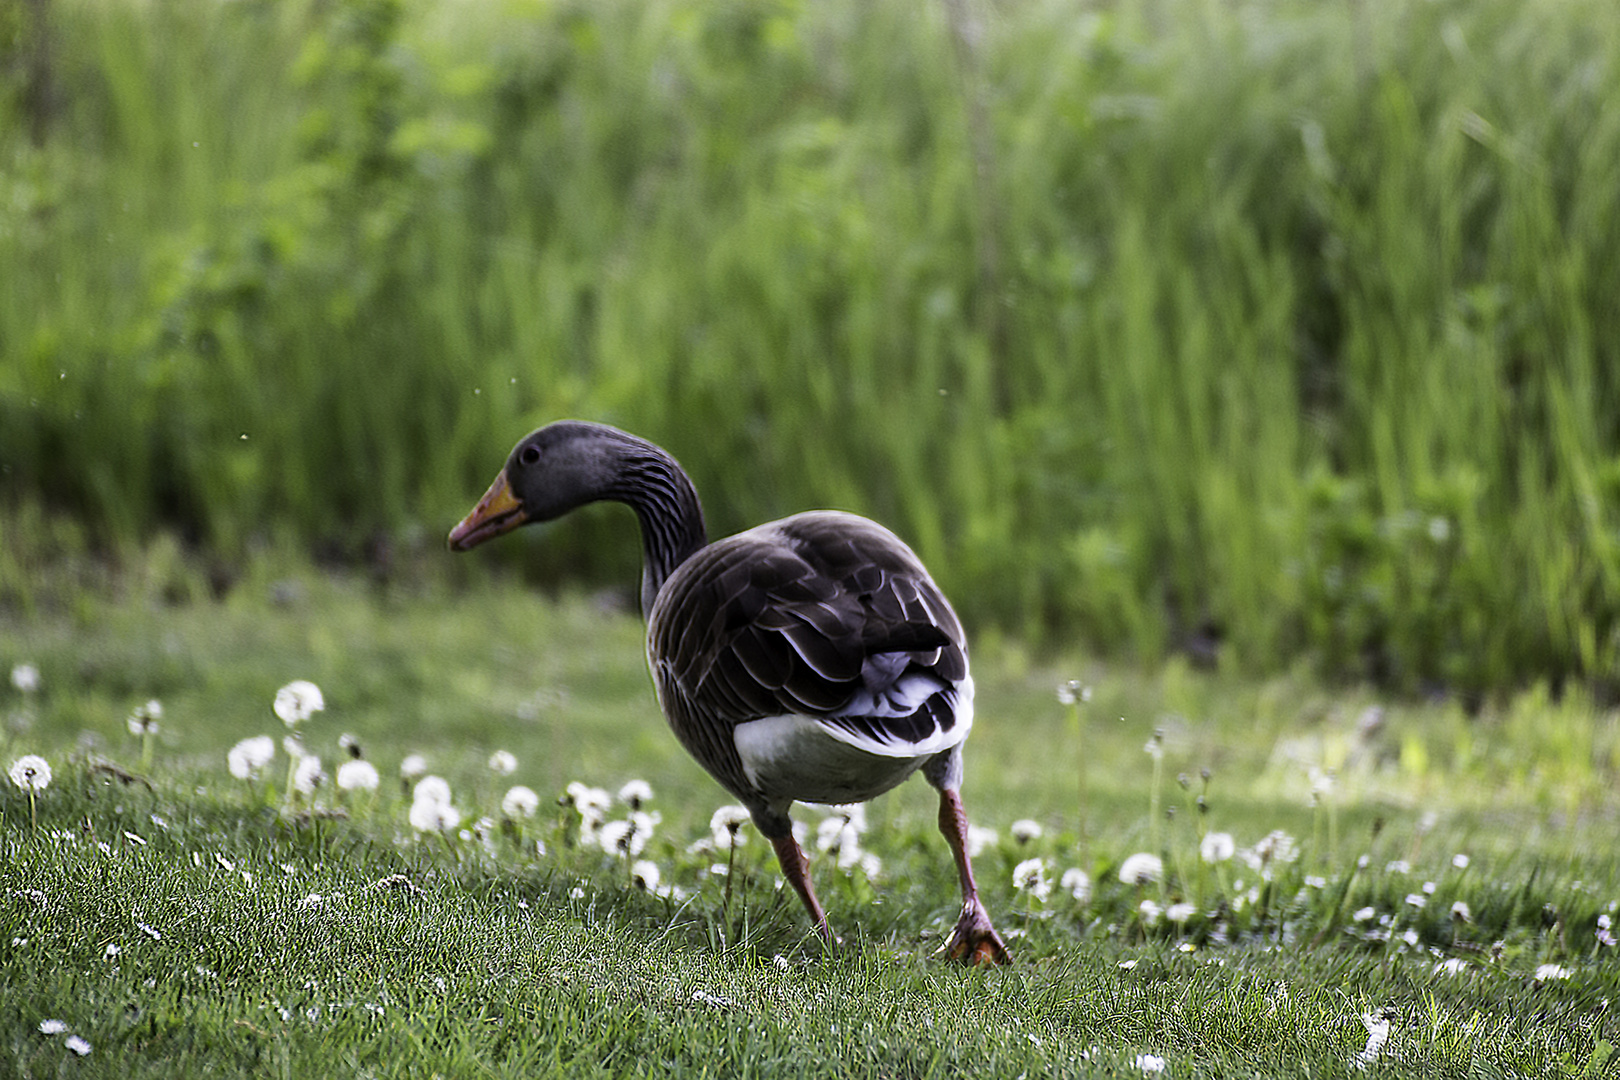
(528,455)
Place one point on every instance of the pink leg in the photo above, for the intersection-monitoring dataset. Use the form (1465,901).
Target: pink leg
(974,941)
(796,868)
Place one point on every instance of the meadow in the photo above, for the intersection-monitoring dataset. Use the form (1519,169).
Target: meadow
(1330,865)
(1245,370)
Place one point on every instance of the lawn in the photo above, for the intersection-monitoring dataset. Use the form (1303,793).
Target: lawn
(1441,903)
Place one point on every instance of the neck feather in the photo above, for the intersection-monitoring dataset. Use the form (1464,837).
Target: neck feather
(666,503)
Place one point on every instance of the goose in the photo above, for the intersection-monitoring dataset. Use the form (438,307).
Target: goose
(810,659)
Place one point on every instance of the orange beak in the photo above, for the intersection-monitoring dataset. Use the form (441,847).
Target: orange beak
(496,513)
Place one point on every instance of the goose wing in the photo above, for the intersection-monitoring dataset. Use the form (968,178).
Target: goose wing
(824,615)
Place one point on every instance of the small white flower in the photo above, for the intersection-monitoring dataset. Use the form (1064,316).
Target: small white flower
(77,1044)
(357,774)
(1551,972)
(25,677)
(31,773)
(1416,900)
(1180,913)
(1460,861)
(1364,914)
(1217,847)
(979,838)
(503,763)
(434,790)
(635,792)
(644,874)
(1397,866)
(726,824)
(593,803)
(1077,883)
(1025,829)
(1030,876)
(298,701)
(520,802)
(627,837)
(308,775)
(413,766)
(249,756)
(52,1027)
(1073,691)
(1150,912)
(1461,912)
(1150,1063)
(1141,869)
(429,816)
(294,745)
(836,834)
(144,720)
(1275,847)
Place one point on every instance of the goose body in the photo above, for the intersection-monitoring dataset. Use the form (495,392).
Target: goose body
(810,659)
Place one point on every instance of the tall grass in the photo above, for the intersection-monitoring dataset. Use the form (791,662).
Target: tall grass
(1262,330)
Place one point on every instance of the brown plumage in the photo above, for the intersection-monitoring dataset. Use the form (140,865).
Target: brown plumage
(809,659)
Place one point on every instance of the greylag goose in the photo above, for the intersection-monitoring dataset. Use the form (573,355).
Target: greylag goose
(810,659)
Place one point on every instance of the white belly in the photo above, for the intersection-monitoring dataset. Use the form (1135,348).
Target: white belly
(795,758)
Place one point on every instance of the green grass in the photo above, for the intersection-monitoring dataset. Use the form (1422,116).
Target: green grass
(450,955)
(1280,330)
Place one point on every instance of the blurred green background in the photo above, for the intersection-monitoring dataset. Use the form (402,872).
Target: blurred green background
(1278,333)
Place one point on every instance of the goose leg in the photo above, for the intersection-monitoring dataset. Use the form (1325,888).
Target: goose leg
(796,868)
(974,941)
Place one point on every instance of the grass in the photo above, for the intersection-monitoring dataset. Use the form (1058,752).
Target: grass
(184,921)
(1278,331)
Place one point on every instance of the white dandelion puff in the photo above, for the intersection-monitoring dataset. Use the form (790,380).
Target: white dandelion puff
(725,827)
(1217,847)
(31,773)
(1029,877)
(1150,1063)
(1461,912)
(434,790)
(247,758)
(1551,973)
(1180,913)
(430,816)
(592,803)
(520,802)
(644,874)
(503,763)
(357,774)
(1025,829)
(308,775)
(144,719)
(1141,869)
(635,793)
(1077,883)
(413,766)
(298,701)
(25,677)
(1460,861)
(979,838)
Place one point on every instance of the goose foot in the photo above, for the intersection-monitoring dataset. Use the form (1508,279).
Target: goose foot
(974,941)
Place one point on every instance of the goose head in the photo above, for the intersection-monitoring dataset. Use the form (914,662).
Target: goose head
(549,472)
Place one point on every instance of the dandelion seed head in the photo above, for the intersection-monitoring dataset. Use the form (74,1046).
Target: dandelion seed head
(144,719)
(293,744)
(434,790)
(349,745)
(31,773)
(248,757)
(1029,877)
(1025,829)
(1461,912)
(635,793)
(1217,847)
(978,839)
(725,827)
(1149,1063)
(1180,913)
(1077,883)
(520,802)
(1460,861)
(1141,869)
(430,816)
(644,874)
(298,701)
(25,677)
(308,775)
(592,803)
(413,766)
(357,774)
(1150,911)
(503,763)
